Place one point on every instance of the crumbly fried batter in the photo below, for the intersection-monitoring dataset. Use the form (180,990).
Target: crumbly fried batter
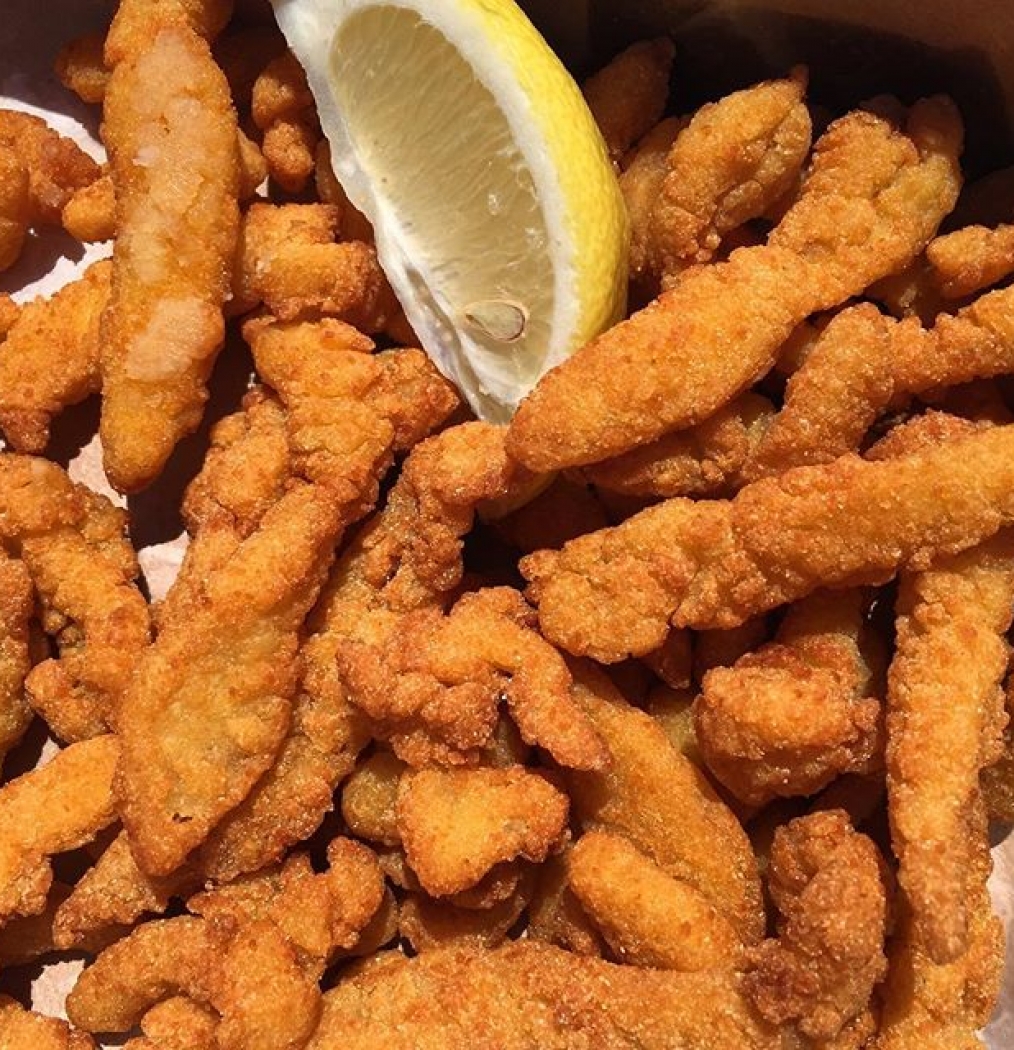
(715,564)
(50,359)
(829,885)
(177,1024)
(16,608)
(970,259)
(285,112)
(370,799)
(138,22)
(15,206)
(25,1030)
(81,68)
(90,212)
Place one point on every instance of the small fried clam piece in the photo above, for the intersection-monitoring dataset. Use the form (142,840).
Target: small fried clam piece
(970,259)
(81,68)
(21,1029)
(647,917)
(177,1024)
(16,608)
(370,798)
(90,212)
(138,22)
(284,110)
(15,206)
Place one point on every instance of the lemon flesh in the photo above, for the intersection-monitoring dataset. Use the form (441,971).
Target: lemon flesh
(498,218)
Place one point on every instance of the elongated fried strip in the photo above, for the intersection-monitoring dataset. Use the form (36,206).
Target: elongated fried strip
(178,220)
(138,22)
(50,810)
(967,260)
(729,165)
(705,460)
(790,717)
(715,564)
(819,973)
(15,206)
(16,607)
(662,803)
(647,917)
(627,97)
(530,994)
(945,713)
(872,200)
(24,1030)
(50,359)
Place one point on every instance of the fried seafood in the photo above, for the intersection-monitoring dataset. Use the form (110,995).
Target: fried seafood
(80,67)
(370,799)
(284,110)
(24,1030)
(15,206)
(715,564)
(970,259)
(872,199)
(177,218)
(137,23)
(177,1024)
(90,212)
(791,716)
(16,607)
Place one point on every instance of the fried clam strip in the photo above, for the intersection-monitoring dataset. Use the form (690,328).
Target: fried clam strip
(16,609)
(967,260)
(872,199)
(787,719)
(56,808)
(24,1030)
(627,97)
(177,1024)
(828,883)
(734,160)
(527,994)
(221,677)
(73,544)
(661,802)
(50,358)
(262,940)
(647,917)
(708,459)
(170,130)
(433,687)
(137,23)
(715,564)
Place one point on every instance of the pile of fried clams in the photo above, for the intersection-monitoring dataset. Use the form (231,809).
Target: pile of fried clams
(671,716)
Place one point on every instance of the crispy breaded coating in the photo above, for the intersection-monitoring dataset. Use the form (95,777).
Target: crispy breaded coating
(177,218)
(456,825)
(729,165)
(56,165)
(706,460)
(16,609)
(628,95)
(24,1030)
(50,810)
(284,110)
(81,68)
(828,883)
(137,23)
(997,780)
(715,564)
(647,917)
(970,259)
(660,801)
(15,206)
(528,994)
(722,648)
(90,212)
(872,199)
(428,924)
(370,798)
(555,915)
(787,719)
(9,313)
(50,359)
(944,721)
(253,168)
(177,1024)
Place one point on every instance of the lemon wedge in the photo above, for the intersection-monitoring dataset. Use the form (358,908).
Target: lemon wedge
(498,218)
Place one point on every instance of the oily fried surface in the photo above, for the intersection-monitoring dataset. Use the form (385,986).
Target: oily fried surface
(284,111)
(16,607)
(15,206)
(137,23)
(24,1030)
(970,259)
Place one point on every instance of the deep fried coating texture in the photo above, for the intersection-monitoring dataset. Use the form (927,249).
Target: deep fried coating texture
(647,917)
(734,160)
(997,780)
(715,564)
(80,67)
(457,824)
(527,994)
(90,212)
(56,165)
(24,1030)
(705,460)
(16,608)
(50,359)
(555,915)
(138,22)
(176,179)
(790,717)
(828,883)
(58,807)
(662,803)
(627,96)
(872,200)
(15,206)
(967,260)
(284,110)
(370,799)
(177,1024)
(945,716)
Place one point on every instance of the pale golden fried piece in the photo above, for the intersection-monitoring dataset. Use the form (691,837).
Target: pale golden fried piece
(627,97)
(177,220)
(997,780)
(177,1024)
(16,609)
(28,938)
(787,719)
(673,709)
(81,68)
(872,200)
(528,994)
(706,460)
(829,885)
(138,22)
(253,168)
(15,206)
(970,259)
(944,723)
(370,799)
(50,359)
(647,917)
(735,159)
(90,212)
(9,313)
(715,564)
(56,165)
(285,112)
(56,808)
(660,801)
(456,825)
(555,915)
(24,1030)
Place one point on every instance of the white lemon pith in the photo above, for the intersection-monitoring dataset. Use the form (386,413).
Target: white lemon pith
(498,219)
